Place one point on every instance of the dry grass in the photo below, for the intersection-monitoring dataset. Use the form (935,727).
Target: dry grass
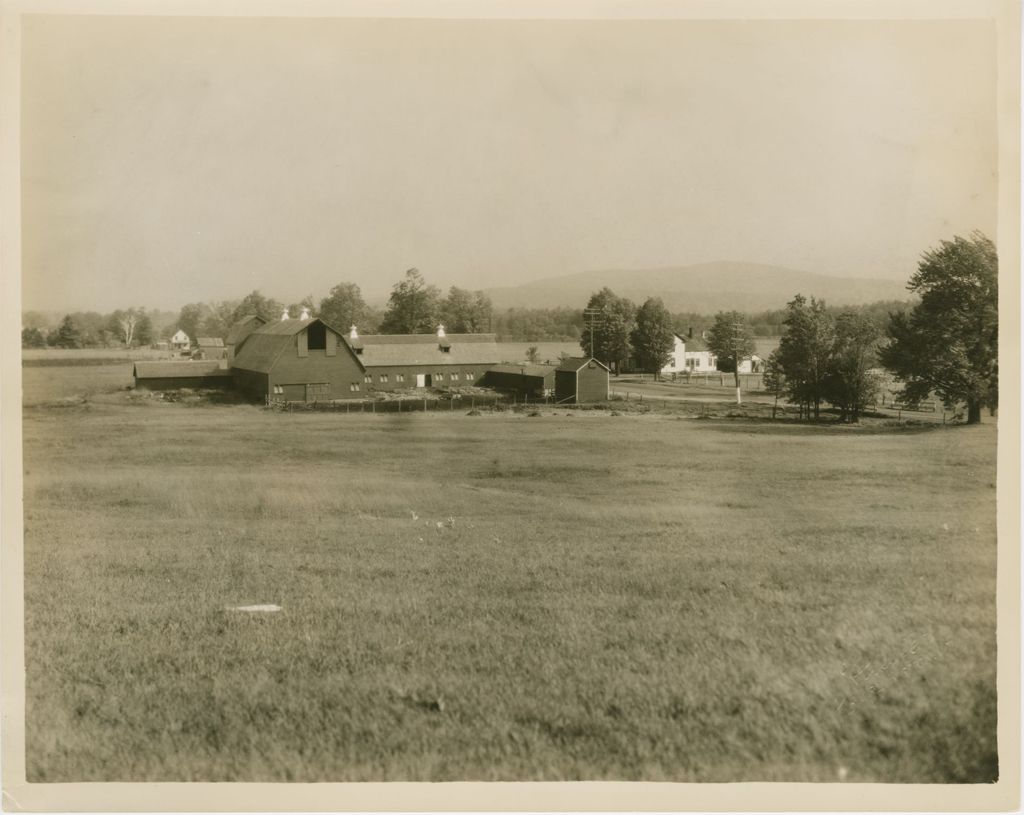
(505,597)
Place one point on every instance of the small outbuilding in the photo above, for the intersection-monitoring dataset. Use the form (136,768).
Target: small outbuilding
(210,348)
(579,380)
(524,380)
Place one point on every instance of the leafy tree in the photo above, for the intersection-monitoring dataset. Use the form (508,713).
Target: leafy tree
(33,338)
(256,303)
(219,319)
(466,312)
(308,303)
(124,325)
(143,328)
(774,380)
(949,342)
(729,339)
(805,352)
(612,329)
(851,383)
(533,354)
(68,334)
(190,318)
(653,337)
(344,307)
(414,306)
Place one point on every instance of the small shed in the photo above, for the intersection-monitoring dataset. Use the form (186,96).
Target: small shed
(210,348)
(580,379)
(525,380)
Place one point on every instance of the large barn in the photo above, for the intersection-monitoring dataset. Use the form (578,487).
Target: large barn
(307,360)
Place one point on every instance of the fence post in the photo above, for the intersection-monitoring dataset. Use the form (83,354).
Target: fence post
(472,402)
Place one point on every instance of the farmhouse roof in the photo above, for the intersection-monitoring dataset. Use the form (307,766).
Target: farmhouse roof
(175,370)
(574,364)
(210,342)
(696,344)
(377,350)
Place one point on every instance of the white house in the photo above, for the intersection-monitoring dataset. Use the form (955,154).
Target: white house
(691,355)
(180,340)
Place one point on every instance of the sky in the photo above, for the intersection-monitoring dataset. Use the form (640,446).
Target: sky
(175,160)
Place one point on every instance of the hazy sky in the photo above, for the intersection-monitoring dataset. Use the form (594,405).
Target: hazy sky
(170,160)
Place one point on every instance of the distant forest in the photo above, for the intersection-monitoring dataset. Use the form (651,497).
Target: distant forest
(89,329)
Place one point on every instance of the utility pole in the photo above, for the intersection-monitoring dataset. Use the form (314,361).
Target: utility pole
(737,328)
(592,317)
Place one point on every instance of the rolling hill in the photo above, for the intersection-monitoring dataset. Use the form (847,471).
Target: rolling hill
(704,288)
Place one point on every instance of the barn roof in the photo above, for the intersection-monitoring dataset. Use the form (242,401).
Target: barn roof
(240,330)
(210,342)
(573,364)
(378,350)
(264,345)
(528,370)
(176,370)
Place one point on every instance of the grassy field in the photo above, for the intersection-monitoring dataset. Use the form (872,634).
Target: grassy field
(568,596)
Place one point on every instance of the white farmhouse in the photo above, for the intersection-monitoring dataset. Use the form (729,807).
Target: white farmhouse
(691,355)
(180,340)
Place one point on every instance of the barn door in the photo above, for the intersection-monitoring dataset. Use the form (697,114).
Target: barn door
(318,391)
(421,380)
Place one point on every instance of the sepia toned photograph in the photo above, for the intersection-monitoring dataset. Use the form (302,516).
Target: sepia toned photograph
(510,400)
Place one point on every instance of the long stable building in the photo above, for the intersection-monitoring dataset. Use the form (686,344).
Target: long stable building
(307,360)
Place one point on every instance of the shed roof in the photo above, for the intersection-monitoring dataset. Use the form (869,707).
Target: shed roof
(183,369)
(378,350)
(574,364)
(210,342)
(528,370)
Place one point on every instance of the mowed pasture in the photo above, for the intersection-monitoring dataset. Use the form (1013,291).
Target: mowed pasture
(575,595)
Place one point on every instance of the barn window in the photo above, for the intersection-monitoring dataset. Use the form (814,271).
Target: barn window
(440,377)
(446,349)
(368,379)
(278,389)
(455,377)
(382,378)
(359,352)
(400,377)
(355,386)
(317,336)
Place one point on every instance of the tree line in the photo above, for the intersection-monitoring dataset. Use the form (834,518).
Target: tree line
(945,346)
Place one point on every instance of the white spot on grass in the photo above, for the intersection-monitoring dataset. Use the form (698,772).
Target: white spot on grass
(264,607)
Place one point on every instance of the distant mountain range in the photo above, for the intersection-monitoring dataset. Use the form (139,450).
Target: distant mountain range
(704,288)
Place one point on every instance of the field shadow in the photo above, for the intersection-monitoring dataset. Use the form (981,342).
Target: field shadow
(790,427)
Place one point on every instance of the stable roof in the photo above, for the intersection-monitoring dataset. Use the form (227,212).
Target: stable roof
(527,370)
(179,370)
(210,342)
(390,350)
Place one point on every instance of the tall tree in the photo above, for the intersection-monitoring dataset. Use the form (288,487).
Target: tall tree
(344,307)
(805,352)
(123,323)
(466,312)
(68,334)
(143,328)
(774,380)
(653,338)
(729,339)
(851,382)
(33,338)
(190,318)
(948,344)
(613,324)
(414,306)
(220,317)
(256,303)
(307,303)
